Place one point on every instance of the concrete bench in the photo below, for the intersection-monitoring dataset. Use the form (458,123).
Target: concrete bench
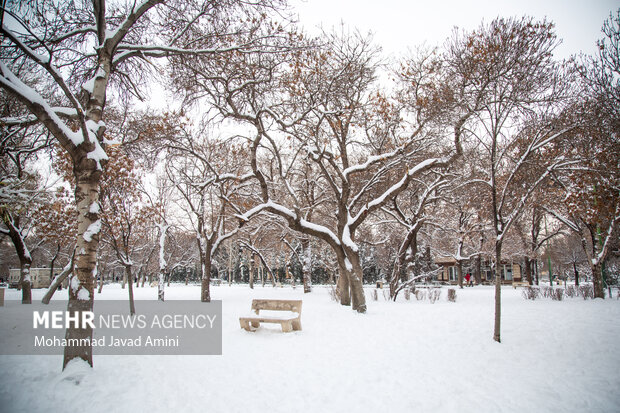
(287,313)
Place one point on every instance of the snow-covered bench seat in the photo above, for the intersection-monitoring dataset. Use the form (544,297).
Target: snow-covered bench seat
(285,312)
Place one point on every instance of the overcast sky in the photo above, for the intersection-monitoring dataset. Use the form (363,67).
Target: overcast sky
(399,24)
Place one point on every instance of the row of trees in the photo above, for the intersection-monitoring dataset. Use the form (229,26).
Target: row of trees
(299,144)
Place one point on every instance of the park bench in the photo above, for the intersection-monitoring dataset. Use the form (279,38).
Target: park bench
(516,284)
(287,313)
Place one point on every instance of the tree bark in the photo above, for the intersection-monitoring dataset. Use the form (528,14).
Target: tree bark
(25,282)
(129,276)
(478,269)
(597,280)
(350,282)
(576,274)
(528,269)
(459,270)
(81,291)
(205,290)
(343,285)
(498,292)
(307,265)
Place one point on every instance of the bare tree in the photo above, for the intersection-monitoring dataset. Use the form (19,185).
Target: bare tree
(512,61)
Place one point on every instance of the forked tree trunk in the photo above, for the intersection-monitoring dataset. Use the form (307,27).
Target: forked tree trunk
(351,283)
(343,285)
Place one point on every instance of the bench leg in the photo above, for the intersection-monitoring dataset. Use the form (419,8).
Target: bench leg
(297,325)
(244,325)
(255,324)
(286,326)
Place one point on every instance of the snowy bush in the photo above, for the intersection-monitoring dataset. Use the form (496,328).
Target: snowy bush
(557,294)
(373,295)
(586,291)
(452,295)
(407,294)
(420,295)
(334,293)
(546,291)
(434,294)
(386,295)
(530,293)
(571,291)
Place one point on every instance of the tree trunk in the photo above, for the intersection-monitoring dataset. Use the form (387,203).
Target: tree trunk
(307,265)
(129,276)
(535,268)
(343,285)
(498,292)
(81,291)
(205,291)
(25,260)
(478,269)
(597,280)
(459,270)
(26,282)
(251,270)
(528,269)
(101,280)
(576,274)
(350,283)
(52,262)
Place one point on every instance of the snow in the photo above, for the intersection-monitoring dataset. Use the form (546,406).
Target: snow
(30,94)
(89,85)
(74,283)
(287,212)
(97,154)
(92,229)
(83,295)
(401,357)
(94,208)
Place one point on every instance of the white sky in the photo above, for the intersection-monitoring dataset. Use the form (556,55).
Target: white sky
(399,24)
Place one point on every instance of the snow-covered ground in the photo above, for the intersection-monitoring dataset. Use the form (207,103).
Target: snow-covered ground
(399,357)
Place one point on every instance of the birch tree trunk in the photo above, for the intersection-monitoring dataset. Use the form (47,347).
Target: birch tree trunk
(81,291)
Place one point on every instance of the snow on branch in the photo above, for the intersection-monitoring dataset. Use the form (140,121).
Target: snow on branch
(39,107)
(394,190)
(296,222)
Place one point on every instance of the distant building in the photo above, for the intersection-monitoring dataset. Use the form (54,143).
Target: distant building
(510,271)
(40,277)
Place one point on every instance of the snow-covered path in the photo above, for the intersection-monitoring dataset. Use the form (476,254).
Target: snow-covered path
(399,357)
